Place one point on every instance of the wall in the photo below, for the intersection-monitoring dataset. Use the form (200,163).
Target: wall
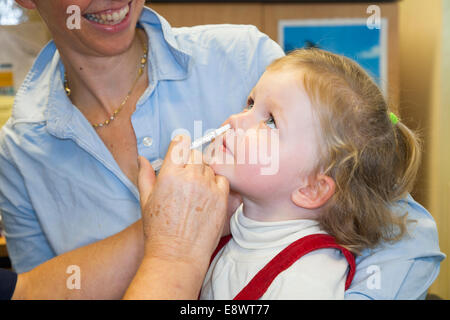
(441,147)
(424,100)
(439,164)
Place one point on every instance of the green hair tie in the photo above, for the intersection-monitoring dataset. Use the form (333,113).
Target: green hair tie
(394,118)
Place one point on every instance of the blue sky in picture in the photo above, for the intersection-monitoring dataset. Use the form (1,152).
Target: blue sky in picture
(357,42)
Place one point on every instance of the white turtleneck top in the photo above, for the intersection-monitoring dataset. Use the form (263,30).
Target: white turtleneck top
(320,274)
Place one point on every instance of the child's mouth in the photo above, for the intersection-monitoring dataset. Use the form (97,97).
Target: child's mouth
(225,149)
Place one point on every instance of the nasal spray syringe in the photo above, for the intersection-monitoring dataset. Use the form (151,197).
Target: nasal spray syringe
(157,164)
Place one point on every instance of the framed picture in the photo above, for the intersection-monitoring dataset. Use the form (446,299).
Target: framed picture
(349,37)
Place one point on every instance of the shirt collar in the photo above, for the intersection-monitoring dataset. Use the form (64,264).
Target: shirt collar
(42,96)
(252,234)
(167,60)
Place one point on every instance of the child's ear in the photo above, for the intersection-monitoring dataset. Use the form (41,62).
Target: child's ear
(28,4)
(315,193)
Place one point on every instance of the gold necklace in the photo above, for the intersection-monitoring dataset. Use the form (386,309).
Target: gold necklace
(143,61)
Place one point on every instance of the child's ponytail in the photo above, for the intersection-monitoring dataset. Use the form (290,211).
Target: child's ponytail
(408,158)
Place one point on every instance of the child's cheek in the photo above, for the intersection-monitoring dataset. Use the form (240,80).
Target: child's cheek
(259,175)
(248,180)
(253,168)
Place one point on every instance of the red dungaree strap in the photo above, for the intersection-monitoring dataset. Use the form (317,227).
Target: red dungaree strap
(256,288)
(221,244)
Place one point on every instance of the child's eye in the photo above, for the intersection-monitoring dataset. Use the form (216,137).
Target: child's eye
(250,104)
(271,123)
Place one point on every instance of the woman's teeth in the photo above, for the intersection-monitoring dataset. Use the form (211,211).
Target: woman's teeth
(110,18)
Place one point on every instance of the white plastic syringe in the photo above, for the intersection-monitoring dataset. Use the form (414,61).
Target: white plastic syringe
(157,164)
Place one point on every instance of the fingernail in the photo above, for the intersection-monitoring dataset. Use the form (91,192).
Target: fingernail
(178,138)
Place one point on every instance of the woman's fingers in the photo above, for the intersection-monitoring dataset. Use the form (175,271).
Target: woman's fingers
(187,206)
(196,162)
(178,153)
(186,209)
(223,185)
(146,179)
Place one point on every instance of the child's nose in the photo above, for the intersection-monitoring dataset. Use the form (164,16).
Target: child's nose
(242,120)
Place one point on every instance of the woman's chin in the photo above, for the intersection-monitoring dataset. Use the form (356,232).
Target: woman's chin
(108,46)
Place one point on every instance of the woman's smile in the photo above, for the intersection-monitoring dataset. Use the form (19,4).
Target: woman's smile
(112,19)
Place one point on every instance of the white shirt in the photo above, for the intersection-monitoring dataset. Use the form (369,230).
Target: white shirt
(320,274)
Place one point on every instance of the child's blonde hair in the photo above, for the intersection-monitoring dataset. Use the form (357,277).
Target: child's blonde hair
(372,160)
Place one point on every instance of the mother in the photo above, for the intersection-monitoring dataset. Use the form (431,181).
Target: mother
(119,87)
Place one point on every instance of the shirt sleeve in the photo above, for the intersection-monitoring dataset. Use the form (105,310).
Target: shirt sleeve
(404,269)
(418,275)
(257,54)
(8,280)
(26,243)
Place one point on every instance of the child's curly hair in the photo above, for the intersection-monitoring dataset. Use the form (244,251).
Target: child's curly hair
(373,161)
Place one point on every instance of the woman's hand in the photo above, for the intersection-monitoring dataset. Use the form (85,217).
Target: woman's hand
(183,215)
(185,211)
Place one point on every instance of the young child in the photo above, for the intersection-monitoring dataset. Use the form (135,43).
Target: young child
(343,159)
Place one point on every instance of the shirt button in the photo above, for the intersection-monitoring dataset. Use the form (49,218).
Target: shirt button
(147,141)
